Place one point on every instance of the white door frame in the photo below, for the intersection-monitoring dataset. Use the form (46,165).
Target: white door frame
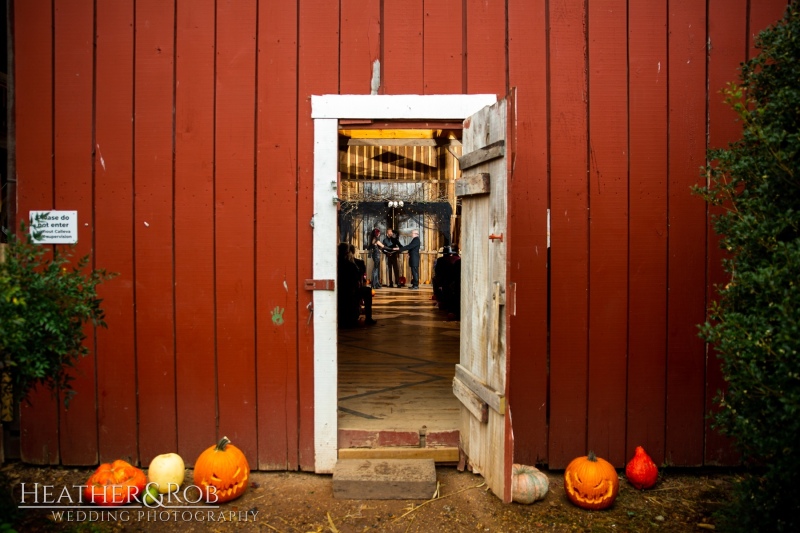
(326,110)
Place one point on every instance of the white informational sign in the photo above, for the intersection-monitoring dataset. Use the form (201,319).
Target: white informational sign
(54,227)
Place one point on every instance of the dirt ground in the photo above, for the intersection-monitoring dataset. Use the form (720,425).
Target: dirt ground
(303,502)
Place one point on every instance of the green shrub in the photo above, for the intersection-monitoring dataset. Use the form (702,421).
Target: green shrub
(45,302)
(755,325)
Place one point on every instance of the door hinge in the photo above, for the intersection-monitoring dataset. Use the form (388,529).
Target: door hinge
(320,284)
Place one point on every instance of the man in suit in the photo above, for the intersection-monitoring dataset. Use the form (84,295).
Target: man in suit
(413,258)
(391,246)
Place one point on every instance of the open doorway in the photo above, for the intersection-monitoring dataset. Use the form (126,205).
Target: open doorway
(328,111)
(395,394)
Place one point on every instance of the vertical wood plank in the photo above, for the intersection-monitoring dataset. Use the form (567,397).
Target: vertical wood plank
(33,49)
(727,27)
(527,229)
(234,187)
(277,285)
(443,47)
(687,246)
(318,74)
(486,70)
(608,230)
(763,14)
(195,334)
(402,47)
(647,292)
(153,226)
(113,168)
(360,44)
(569,203)
(74,44)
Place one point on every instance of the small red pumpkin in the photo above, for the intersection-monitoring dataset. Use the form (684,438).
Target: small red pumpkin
(641,471)
(114,483)
(222,472)
(591,482)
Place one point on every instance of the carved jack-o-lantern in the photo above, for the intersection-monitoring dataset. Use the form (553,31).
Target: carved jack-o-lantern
(222,472)
(591,482)
(114,483)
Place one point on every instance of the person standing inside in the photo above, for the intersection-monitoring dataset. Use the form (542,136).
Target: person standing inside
(413,258)
(375,247)
(391,246)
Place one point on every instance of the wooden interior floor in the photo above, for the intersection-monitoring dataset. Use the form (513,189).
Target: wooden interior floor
(395,378)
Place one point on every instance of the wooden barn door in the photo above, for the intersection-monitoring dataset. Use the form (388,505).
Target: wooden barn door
(481,377)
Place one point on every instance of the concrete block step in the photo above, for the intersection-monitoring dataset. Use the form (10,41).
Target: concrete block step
(384,479)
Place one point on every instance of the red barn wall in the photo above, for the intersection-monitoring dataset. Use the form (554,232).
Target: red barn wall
(181,132)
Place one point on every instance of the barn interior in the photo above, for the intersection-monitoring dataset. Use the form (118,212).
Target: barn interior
(395,377)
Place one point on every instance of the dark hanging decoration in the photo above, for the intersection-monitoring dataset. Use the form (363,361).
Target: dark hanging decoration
(353,214)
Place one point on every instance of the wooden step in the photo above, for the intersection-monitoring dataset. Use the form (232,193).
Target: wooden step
(443,454)
(384,479)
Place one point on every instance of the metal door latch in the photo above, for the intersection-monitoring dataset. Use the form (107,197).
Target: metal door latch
(320,284)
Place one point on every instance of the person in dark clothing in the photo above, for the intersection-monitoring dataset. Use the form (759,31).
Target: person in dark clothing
(375,249)
(413,258)
(447,281)
(362,266)
(350,290)
(391,248)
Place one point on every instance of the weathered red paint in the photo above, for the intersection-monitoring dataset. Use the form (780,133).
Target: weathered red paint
(361,37)
(318,73)
(276,207)
(528,205)
(195,138)
(443,69)
(685,350)
(234,231)
(401,45)
(73,191)
(113,229)
(35,188)
(195,302)
(153,227)
(608,251)
(728,37)
(647,259)
(569,233)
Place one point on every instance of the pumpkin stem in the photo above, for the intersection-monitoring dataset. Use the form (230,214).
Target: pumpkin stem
(224,441)
(592,457)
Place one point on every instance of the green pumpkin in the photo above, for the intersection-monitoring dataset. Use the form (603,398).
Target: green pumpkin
(528,484)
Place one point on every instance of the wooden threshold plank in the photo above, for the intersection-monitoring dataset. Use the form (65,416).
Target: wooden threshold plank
(439,454)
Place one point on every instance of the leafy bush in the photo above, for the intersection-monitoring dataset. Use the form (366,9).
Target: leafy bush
(755,326)
(45,301)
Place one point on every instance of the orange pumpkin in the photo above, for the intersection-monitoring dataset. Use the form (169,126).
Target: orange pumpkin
(591,482)
(222,472)
(114,483)
(641,471)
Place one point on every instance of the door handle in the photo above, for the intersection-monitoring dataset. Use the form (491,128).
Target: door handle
(498,301)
